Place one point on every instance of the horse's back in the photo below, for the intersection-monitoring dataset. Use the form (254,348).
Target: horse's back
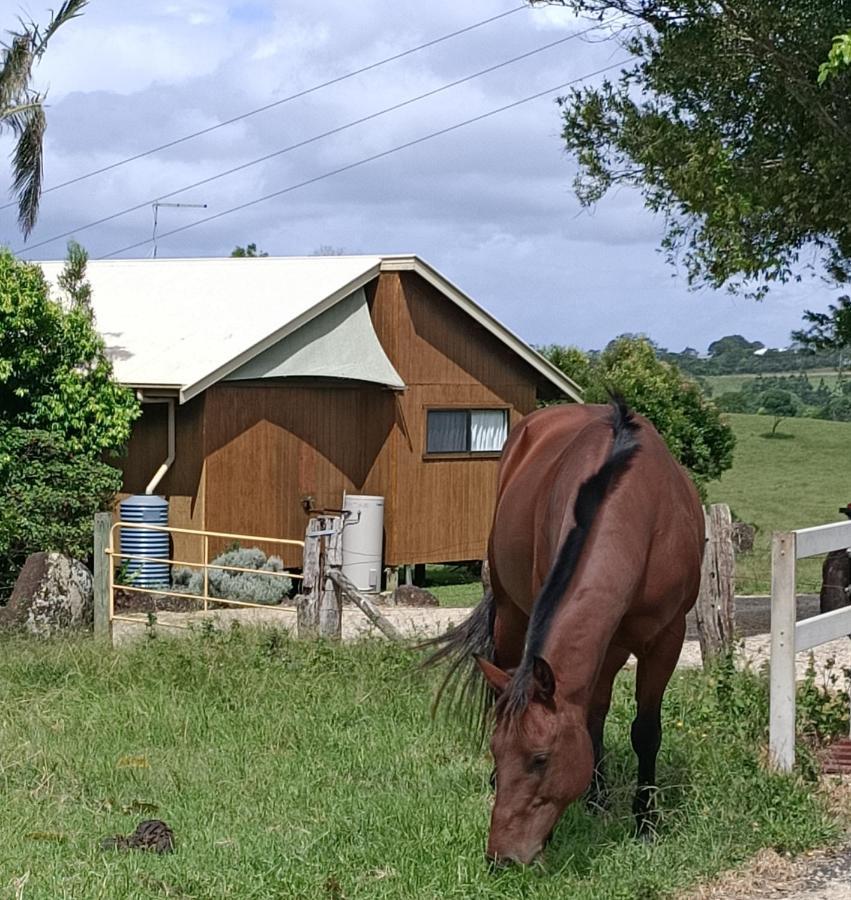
(651,514)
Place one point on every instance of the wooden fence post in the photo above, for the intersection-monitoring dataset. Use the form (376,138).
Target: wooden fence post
(308,603)
(331,599)
(714,608)
(101,580)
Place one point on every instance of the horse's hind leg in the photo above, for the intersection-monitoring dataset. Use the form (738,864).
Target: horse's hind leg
(616,657)
(655,667)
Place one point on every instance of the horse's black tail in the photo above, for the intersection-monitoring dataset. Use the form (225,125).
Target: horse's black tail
(463,686)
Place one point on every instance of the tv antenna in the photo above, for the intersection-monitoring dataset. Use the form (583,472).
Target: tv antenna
(156,208)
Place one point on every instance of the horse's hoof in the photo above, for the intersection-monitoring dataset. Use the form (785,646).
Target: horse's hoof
(646,828)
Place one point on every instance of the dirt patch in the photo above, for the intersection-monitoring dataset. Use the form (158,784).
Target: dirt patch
(137,602)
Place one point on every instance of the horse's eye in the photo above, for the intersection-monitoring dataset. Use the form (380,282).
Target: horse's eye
(539,762)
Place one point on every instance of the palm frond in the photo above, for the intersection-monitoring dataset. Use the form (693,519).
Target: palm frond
(14,117)
(70,9)
(15,70)
(27,167)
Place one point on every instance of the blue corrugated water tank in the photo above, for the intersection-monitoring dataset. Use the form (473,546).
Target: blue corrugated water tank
(142,542)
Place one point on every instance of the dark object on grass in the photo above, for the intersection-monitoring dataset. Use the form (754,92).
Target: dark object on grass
(152,834)
(411,595)
(743,536)
(836,576)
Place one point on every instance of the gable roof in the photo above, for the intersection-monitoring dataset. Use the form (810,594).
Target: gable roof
(184,324)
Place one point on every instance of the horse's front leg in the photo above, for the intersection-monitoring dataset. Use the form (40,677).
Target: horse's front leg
(597,796)
(654,671)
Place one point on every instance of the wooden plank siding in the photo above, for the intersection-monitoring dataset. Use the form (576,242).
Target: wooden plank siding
(440,510)
(184,482)
(249,453)
(268,446)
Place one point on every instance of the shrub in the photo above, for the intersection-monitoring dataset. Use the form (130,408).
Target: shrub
(48,496)
(690,425)
(244,586)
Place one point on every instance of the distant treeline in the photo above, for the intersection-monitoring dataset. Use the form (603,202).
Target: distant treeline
(797,394)
(735,355)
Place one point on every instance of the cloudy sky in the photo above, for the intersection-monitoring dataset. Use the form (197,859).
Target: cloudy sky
(489,204)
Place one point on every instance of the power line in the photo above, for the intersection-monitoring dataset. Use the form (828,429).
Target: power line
(360,162)
(275,103)
(303,143)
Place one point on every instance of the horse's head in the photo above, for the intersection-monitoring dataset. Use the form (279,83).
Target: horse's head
(543,761)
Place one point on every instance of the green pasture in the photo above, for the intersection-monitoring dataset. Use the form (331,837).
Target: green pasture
(731,384)
(305,770)
(796,480)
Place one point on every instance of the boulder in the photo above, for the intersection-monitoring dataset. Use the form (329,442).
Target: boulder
(411,595)
(53,593)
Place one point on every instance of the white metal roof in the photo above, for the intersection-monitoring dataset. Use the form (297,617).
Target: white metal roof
(184,324)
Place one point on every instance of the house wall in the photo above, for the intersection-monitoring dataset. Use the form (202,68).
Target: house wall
(269,446)
(248,453)
(440,509)
(184,483)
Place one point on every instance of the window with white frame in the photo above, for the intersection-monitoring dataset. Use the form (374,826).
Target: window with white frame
(466,430)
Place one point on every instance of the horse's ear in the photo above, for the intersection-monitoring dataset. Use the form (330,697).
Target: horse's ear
(545,679)
(495,677)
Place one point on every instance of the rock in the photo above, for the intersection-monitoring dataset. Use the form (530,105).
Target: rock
(53,593)
(743,535)
(410,595)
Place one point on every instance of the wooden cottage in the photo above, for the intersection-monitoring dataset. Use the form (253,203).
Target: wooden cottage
(289,381)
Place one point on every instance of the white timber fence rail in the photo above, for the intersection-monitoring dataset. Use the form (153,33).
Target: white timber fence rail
(789,637)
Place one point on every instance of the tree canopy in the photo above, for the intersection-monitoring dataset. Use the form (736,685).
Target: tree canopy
(54,373)
(720,120)
(249,250)
(691,426)
(22,107)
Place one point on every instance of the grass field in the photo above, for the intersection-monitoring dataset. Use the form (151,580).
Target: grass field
(796,481)
(730,384)
(308,771)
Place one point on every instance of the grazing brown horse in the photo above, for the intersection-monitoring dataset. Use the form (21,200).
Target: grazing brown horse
(594,554)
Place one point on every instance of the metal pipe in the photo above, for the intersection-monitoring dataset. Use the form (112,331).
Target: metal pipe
(160,473)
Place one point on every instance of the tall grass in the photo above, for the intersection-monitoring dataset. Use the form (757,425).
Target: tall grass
(309,771)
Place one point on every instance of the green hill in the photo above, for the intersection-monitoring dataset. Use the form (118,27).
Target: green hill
(796,481)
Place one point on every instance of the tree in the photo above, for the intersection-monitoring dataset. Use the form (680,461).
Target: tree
(720,122)
(248,250)
(780,404)
(61,414)
(733,343)
(54,372)
(690,425)
(22,108)
(827,331)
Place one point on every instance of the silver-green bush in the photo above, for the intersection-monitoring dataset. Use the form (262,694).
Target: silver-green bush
(255,587)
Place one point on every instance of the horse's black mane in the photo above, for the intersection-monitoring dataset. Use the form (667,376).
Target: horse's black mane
(463,686)
(588,501)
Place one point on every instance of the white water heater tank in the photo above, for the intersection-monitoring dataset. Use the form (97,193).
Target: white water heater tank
(363,538)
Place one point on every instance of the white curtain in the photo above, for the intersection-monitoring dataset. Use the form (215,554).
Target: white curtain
(488,429)
(447,431)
